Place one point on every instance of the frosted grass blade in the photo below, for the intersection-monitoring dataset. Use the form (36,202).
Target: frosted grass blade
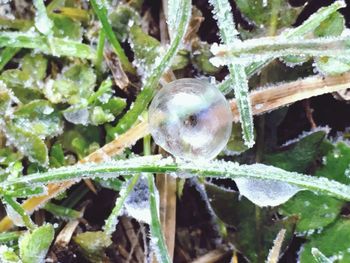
(228,33)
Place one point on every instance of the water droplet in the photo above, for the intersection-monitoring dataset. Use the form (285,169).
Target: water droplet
(190,119)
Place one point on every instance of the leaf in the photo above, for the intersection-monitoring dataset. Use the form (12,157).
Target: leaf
(34,65)
(121,18)
(56,155)
(65,27)
(333,242)
(5,99)
(93,245)
(262,13)
(311,210)
(240,213)
(38,117)
(34,246)
(332,26)
(299,155)
(42,22)
(27,143)
(8,255)
(145,47)
(74,85)
(316,211)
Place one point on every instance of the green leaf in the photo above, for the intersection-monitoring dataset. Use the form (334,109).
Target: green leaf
(332,26)
(6,55)
(38,117)
(319,257)
(17,81)
(5,99)
(75,85)
(48,45)
(263,14)
(120,19)
(34,65)
(145,47)
(298,156)
(42,22)
(34,246)
(311,210)
(254,234)
(93,245)
(333,242)
(56,155)
(66,27)
(314,211)
(27,143)
(8,255)
(8,156)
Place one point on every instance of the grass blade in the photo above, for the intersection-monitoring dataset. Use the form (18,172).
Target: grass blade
(7,54)
(239,79)
(112,220)
(215,169)
(155,227)
(20,211)
(42,22)
(62,47)
(274,47)
(308,26)
(101,12)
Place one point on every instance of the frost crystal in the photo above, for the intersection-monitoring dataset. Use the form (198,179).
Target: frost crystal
(77,116)
(265,192)
(190,119)
(137,203)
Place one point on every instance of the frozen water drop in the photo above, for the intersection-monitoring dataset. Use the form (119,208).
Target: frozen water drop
(190,119)
(266,192)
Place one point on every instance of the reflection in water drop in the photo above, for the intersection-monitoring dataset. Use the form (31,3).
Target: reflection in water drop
(190,119)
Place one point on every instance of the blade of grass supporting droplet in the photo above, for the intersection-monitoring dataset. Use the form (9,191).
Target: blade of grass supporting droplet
(112,220)
(101,12)
(228,33)
(42,22)
(308,26)
(152,80)
(215,169)
(7,54)
(63,47)
(20,211)
(157,237)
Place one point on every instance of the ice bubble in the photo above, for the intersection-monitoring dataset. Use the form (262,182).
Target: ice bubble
(266,192)
(190,119)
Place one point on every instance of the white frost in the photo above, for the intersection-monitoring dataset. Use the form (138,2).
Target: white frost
(266,192)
